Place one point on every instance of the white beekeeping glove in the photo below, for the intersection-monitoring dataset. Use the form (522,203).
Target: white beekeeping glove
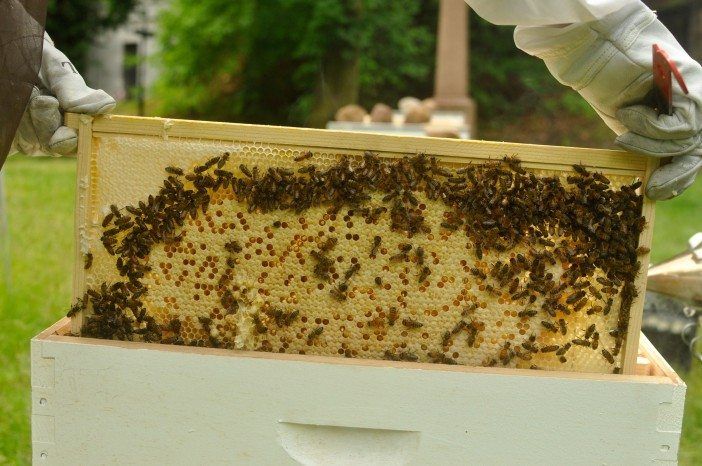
(63,90)
(609,62)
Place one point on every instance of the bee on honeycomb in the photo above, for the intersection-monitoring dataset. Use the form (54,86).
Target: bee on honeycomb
(405,259)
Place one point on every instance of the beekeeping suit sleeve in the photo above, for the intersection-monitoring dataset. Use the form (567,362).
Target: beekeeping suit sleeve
(21,33)
(61,89)
(603,50)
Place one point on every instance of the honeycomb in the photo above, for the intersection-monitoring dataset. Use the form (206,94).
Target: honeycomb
(386,273)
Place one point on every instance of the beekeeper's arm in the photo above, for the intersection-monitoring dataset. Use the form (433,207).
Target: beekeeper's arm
(41,130)
(603,50)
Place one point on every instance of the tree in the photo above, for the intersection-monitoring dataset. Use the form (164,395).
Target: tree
(291,61)
(74,24)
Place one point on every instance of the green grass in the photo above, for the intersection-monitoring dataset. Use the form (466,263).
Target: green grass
(676,220)
(40,196)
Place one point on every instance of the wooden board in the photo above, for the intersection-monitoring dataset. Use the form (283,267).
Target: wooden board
(112,402)
(93,131)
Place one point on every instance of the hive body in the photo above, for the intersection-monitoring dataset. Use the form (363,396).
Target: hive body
(342,278)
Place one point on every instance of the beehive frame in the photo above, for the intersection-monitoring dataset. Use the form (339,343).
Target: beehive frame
(610,163)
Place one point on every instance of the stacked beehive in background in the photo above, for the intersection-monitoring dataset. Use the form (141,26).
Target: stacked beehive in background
(303,241)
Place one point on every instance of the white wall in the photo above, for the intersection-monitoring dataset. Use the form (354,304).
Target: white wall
(106,57)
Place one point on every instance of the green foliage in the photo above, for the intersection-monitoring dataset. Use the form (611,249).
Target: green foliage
(508,82)
(73,24)
(272,61)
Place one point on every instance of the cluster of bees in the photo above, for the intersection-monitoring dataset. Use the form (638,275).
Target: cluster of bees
(497,206)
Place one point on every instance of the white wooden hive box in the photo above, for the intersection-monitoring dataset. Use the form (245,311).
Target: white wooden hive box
(111,402)
(131,402)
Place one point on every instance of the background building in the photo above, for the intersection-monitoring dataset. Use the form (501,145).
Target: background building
(120,61)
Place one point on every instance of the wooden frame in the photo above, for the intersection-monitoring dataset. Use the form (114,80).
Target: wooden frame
(532,156)
(127,402)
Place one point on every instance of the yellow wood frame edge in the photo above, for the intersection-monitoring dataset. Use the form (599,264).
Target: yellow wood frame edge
(443,147)
(658,372)
(532,156)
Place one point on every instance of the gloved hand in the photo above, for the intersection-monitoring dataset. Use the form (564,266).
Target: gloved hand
(609,62)
(63,90)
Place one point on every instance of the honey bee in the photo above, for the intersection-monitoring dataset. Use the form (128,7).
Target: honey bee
(604,281)
(314,334)
(608,306)
(564,349)
(408,356)
(391,356)
(549,326)
(233,247)
(575,297)
(376,243)
(617,346)
(581,170)
(608,356)
(590,330)
(562,325)
(411,323)
(446,338)
(459,326)
(420,256)
(595,340)
(514,165)
(378,281)
(290,318)
(595,292)
(424,273)
(581,285)
(478,273)
(393,315)
(527,313)
(601,178)
(352,271)
(338,294)
(260,327)
(580,304)
(479,250)
(328,244)
(174,325)
(506,354)
(580,342)
(88,261)
(546,242)
(115,211)
(530,346)
(223,159)
(245,170)
(449,226)
(438,357)
(77,307)
(108,218)
(174,171)
(303,156)
(549,349)
(642,251)
(469,309)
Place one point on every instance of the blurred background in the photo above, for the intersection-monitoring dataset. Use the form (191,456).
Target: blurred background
(297,62)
